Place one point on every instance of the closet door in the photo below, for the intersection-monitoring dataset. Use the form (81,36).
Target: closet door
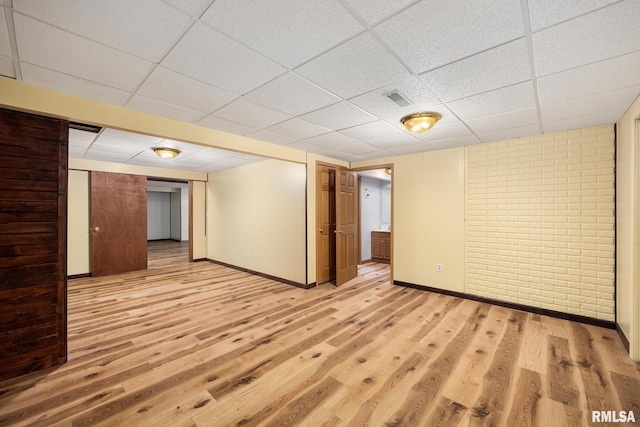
(33,232)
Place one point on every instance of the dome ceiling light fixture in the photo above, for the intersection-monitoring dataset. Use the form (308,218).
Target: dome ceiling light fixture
(166,152)
(420,122)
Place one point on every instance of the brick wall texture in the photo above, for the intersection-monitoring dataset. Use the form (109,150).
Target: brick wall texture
(540,221)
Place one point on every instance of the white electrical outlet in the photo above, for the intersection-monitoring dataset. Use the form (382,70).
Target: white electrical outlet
(248,254)
(439,268)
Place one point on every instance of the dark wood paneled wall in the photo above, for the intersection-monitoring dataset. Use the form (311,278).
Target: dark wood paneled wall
(33,229)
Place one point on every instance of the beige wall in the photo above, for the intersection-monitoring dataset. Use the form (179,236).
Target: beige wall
(78,205)
(428,217)
(540,221)
(628,227)
(78,255)
(256,218)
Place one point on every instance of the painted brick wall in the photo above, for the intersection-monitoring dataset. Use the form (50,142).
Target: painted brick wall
(540,221)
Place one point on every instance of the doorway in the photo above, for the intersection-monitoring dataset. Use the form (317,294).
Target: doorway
(168,222)
(339,234)
(375,215)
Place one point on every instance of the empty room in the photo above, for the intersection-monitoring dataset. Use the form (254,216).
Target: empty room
(319,213)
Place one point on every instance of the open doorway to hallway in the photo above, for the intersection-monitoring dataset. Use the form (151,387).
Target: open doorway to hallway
(167,222)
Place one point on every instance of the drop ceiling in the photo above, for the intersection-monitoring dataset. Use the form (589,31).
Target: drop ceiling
(315,74)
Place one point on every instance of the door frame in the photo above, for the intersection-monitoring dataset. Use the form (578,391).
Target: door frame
(373,167)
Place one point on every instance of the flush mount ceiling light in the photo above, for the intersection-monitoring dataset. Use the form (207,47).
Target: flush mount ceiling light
(165,152)
(420,122)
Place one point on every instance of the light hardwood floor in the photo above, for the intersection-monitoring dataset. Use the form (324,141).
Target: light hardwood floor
(161,253)
(205,345)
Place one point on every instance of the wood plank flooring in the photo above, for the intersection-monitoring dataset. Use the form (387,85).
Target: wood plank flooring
(162,253)
(205,345)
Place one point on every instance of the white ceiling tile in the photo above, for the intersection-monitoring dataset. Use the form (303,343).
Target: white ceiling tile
(5,46)
(270,137)
(250,114)
(615,100)
(6,66)
(509,120)
(81,138)
(190,6)
(373,130)
(144,28)
(112,157)
(389,142)
(129,152)
(292,94)
(498,67)
(455,142)
(511,98)
(159,108)
(375,155)
(500,135)
(606,33)
(439,131)
(434,33)
(296,39)
(591,79)
(122,143)
(297,129)
(374,11)
(411,88)
(213,58)
(58,50)
(331,140)
(39,76)
(357,66)
(342,143)
(583,121)
(410,149)
(544,13)
(213,122)
(118,135)
(305,146)
(339,116)
(173,88)
(208,155)
(76,153)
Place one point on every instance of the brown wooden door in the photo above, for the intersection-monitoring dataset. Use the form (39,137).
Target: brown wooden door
(326,223)
(346,225)
(118,223)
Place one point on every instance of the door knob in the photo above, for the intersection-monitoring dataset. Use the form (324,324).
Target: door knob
(338,231)
(94,229)
(321,230)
